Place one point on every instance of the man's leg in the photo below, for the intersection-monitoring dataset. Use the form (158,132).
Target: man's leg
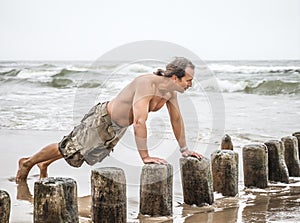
(50,152)
(43,167)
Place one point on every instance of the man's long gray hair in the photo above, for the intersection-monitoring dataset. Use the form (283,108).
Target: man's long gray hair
(176,67)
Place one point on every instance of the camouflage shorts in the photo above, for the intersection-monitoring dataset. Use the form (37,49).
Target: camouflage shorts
(93,139)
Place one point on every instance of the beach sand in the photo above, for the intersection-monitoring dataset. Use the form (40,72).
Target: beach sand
(277,203)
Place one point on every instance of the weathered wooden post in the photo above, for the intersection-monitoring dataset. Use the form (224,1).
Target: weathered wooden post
(4,206)
(196,180)
(225,169)
(291,156)
(156,190)
(55,200)
(255,164)
(109,202)
(297,135)
(276,163)
(226,142)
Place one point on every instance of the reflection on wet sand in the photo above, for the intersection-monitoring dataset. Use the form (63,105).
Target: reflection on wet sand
(23,192)
(155,219)
(255,210)
(223,210)
(274,204)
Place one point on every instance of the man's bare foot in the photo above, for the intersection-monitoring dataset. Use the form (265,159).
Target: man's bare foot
(22,171)
(43,170)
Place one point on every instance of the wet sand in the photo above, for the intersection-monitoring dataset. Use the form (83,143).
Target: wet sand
(277,203)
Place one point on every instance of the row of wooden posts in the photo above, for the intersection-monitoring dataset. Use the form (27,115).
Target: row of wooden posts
(55,199)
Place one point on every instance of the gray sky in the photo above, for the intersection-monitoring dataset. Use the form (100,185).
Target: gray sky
(86,29)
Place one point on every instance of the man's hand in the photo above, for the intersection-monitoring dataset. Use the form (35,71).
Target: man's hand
(187,153)
(156,160)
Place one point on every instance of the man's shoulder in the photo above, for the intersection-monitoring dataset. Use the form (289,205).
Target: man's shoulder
(146,76)
(145,80)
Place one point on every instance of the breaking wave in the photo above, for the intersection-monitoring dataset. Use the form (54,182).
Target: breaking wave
(263,68)
(65,72)
(265,87)
(274,87)
(13,72)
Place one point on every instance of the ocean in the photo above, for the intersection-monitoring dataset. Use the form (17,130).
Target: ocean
(252,101)
(260,98)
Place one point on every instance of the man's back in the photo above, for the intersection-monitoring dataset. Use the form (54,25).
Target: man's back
(154,88)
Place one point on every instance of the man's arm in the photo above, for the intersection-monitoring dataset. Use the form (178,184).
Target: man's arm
(176,121)
(142,97)
(178,127)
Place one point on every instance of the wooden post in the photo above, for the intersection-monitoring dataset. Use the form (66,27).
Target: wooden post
(277,167)
(109,200)
(196,180)
(291,156)
(4,207)
(255,163)
(156,190)
(226,142)
(55,200)
(297,135)
(225,169)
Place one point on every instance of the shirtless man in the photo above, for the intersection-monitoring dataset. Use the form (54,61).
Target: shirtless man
(101,129)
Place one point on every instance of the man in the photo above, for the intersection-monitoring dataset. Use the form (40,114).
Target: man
(103,126)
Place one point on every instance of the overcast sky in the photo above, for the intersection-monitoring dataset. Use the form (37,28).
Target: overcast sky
(86,29)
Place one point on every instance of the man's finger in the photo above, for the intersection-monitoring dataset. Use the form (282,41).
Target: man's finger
(156,161)
(164,162)
(197,155)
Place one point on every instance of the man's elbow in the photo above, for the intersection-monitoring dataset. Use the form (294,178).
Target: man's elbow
(137,123)
(176,119)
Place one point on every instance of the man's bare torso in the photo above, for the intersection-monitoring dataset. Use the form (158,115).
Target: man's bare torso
(121,107)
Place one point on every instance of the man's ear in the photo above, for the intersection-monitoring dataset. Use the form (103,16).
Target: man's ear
(173,77)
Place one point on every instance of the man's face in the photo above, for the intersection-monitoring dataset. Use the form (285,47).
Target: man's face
(186,81)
